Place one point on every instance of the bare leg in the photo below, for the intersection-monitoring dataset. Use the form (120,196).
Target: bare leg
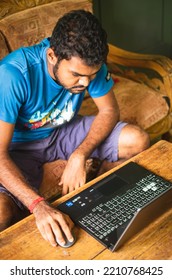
(10,213)
(132,141)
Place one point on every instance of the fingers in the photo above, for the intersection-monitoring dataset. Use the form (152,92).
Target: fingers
(72,181)
(62,230)
(74,174)
(55,226)
(48,235)
(69,187)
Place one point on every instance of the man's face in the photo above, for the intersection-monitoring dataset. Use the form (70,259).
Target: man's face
(74,75)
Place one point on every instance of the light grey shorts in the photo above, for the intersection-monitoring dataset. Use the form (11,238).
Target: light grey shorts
(30,156)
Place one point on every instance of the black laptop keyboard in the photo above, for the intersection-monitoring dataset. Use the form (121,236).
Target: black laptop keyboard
(107,216)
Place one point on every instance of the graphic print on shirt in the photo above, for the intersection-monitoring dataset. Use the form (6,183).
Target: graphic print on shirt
(53,118)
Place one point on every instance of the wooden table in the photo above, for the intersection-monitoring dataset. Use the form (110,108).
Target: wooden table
(22,241)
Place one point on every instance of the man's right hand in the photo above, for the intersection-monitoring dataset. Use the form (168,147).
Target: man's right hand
(51,223)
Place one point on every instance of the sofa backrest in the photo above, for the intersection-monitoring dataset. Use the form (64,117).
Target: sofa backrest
(30,26)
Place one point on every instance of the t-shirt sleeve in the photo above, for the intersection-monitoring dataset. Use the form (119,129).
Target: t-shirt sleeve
(12,92)
(101,84)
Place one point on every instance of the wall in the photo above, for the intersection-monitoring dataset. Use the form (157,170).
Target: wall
(135,25)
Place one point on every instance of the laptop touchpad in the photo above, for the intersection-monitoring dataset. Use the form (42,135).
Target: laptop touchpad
(113,185)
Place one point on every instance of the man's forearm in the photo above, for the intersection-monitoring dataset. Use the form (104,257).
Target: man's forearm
(101,127)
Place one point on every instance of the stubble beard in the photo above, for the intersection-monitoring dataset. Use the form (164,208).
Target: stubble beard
(57,80)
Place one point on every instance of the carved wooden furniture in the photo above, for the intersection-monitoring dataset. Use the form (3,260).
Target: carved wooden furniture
(143,83)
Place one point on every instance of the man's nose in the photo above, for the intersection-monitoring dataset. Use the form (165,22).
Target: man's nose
(84,81)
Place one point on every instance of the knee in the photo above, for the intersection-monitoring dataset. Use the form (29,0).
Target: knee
(6,211)
(133,140)
(139,139)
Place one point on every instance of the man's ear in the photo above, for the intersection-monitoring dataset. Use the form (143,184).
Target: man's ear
(52,58)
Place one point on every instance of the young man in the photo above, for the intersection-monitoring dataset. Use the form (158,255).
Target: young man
(41,90)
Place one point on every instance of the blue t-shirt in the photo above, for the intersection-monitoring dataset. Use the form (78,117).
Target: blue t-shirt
(32,100)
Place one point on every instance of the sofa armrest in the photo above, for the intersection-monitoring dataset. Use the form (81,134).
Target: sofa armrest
(160,80)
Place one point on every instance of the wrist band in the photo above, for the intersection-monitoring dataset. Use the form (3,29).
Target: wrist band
(34,203)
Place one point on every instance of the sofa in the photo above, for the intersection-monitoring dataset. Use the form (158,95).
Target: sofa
(143,83)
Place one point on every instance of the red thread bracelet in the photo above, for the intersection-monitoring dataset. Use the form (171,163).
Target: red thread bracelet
(34,203)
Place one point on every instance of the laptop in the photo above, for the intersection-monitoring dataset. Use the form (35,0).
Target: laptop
(115,208)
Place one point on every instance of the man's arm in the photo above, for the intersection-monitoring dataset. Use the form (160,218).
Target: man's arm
(74,174)
(48,219)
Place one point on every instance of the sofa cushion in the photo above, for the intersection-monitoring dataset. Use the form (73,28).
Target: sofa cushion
(138,103)
(30,26)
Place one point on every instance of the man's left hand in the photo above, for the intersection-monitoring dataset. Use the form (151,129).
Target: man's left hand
(74,174)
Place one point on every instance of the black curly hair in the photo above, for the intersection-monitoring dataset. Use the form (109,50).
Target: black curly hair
(80,34)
